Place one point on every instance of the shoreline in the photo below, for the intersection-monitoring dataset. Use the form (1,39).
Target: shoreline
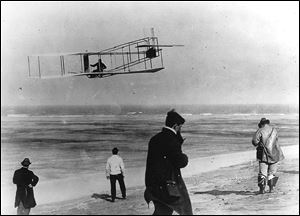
(70,190)
(228,190)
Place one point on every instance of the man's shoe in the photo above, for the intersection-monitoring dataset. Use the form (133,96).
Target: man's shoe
(261,184)
(275,179)
(261,190)
(272,182)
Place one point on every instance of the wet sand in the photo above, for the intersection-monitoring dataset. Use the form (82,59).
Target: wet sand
(229,189)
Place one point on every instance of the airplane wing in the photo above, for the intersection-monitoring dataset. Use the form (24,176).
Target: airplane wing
(93,53)
(153,70)
(104,74)
(58,54)
(124,58)
(171,45)
(72,53)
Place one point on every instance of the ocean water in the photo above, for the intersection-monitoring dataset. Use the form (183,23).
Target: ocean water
(63,142)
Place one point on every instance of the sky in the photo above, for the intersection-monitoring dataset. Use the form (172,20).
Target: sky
(234,52)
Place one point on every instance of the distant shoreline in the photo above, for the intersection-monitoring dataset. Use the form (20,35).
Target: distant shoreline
(162,106)
(256,109)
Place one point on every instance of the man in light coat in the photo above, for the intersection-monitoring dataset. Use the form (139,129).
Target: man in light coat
(115,170)
(25,181)
(268,154)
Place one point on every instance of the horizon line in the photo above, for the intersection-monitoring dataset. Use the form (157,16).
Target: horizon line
(151,105)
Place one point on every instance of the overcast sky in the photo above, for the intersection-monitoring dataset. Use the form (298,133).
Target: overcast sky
(234,52)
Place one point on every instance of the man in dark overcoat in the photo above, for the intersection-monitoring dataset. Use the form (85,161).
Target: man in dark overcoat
(164,161)
(25,181)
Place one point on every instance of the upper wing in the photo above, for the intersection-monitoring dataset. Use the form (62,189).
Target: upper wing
(59,54)
(170,45)
(97,53)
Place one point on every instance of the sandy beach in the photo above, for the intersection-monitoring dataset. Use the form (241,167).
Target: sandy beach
(227,186)
(83,78)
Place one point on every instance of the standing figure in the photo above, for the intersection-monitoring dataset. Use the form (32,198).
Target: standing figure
(25,181)
(164,184)
(115,170)
(268,153)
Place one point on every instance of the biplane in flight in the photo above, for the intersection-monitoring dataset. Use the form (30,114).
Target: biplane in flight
(139,56)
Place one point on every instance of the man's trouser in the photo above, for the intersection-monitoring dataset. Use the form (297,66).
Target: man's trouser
(266,173)
(120,179)
(268,170)
(22,210)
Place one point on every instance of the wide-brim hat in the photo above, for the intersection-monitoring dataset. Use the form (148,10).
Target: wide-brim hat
(264,121)
(26,162)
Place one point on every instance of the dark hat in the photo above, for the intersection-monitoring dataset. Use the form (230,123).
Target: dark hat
(174,118)
(115,150)
(26,162)
(264,121)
